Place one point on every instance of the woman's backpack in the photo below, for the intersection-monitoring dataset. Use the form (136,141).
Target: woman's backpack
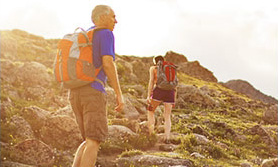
(166,75)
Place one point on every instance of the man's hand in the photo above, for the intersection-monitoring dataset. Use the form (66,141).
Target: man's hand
(120,104)
(111,72)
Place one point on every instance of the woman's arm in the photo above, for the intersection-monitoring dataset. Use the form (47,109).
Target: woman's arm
(151,83)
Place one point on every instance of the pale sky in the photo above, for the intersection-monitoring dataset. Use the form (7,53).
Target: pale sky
(235,39)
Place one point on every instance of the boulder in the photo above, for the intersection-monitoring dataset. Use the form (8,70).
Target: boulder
(191,94)
(168,147)
(36,92)
(131,124)
(67,110)
(118,132)
(118,139)
(139,105)
(197,155)
(201,139)
(33,73)
(33,152)
(35,116)
(245,164)
(6,106)
(23,129)
(61,132)
(8,69)
(125,71)
(270,162)
(129,110)
(141,71)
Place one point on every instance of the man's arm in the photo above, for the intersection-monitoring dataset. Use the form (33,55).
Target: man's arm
(111,72)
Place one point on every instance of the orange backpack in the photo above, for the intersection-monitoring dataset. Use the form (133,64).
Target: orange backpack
(73,66)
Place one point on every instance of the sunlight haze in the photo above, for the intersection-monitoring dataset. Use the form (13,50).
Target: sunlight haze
(235,39)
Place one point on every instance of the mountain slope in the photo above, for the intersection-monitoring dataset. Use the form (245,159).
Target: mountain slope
(246,88)
(212,125)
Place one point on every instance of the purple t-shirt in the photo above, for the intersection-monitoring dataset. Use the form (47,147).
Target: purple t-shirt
(103,44)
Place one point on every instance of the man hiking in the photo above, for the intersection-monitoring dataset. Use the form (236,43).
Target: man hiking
(89,102)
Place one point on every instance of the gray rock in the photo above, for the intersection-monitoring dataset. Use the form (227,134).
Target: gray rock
(33,152)
(35,116)
(61,132)
(201,139)
(23,129)
(191,94)
(33,73)
(197,155)
(129,110)
(167,147)
(118,131)
(270,162)
(150,160)
(245,164)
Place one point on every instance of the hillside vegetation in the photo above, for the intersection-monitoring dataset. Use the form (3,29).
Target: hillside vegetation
(212,125)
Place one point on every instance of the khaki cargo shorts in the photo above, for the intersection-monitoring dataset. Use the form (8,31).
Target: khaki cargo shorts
(89,107)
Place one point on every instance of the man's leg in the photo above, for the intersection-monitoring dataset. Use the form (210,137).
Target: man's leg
(167,118)
(78,155)
(151,118)
(89,156)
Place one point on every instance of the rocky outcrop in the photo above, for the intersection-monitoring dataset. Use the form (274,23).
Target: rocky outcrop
(190,68)
(196,70)
(193,95)
(175,58)
(246,88)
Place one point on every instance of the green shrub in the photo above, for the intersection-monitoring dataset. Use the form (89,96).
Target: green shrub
(188,143)
(143,141)
(215,151)
(131,153)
